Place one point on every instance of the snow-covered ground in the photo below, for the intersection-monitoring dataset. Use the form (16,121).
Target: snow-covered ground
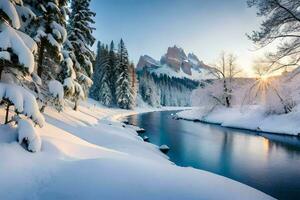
(89,155)
(247,117)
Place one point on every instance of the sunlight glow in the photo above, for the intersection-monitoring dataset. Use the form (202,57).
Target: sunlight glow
(264,77)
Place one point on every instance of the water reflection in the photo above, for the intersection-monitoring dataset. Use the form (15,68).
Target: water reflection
(267,162)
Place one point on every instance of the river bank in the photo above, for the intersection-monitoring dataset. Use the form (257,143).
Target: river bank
(249,118)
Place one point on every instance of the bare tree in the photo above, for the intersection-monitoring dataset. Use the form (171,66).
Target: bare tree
(267,89)
(261,68)
(281,26)
(225,70)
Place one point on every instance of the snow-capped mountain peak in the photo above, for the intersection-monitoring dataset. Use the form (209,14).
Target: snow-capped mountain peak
(146,61)
(175,63)
(194,59)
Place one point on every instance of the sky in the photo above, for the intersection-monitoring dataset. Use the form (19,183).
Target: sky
(203,27)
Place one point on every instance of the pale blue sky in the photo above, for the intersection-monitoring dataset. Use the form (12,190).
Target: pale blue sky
(204,27)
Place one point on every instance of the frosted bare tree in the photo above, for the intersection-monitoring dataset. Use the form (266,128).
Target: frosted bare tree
(281,27)
(261,68)
(225,70)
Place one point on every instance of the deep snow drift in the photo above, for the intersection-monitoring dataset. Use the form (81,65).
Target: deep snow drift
(89,155)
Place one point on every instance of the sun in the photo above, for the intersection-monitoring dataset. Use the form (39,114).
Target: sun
(264,77)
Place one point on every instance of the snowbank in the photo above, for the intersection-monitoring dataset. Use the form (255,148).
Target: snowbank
(28,135)
(250,117)
(89,155)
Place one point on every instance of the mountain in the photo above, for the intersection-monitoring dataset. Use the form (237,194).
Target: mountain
(175,63)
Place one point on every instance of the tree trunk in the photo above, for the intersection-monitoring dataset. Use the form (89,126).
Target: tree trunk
(42,110)
(7,113)
(76,106)
(1,68)
(40,59)
(227,102)
(227,98)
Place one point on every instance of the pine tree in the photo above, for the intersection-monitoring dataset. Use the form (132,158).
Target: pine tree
(101,89)
(112,72)
(80,40)
(149,91)
(134,83)
(48,30)
(123,89)
(16,64)
(97,73)
(105,95)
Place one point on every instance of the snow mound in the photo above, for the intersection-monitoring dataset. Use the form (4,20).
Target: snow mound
(27,134)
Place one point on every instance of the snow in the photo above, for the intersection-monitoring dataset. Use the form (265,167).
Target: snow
(176,58)
(248,117)
(4,55)
(196,75)
(53,5)
(56,89)
(259,105)
(10,38)
(40,34)
(84,79)
(89,155)
(36,79)
(23,101)
(26,12)
(89,65)
(56,33)
(79,90)
(53,42)
(164,147)
(9,9)
(74,88)
(69,83)
(27,133)
(69,66)
(59,31)
(30,43)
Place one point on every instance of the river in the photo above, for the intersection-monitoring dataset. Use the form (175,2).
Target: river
(267,162)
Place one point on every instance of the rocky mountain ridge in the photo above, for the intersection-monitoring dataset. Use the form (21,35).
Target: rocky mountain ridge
(175,63)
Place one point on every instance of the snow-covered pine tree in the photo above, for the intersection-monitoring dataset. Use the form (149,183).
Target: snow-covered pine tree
(97,73)
(105,94)
(80,40)
(148,89)
(123,89)
(134,83)
(112,73)
(100,88)
(48,28)
(16,62)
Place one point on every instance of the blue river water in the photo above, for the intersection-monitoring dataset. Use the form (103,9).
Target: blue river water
(267,162)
